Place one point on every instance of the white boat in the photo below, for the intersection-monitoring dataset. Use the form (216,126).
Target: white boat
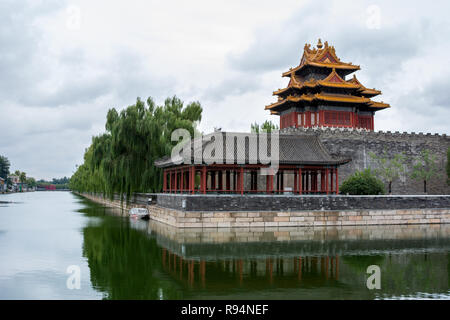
(137,213)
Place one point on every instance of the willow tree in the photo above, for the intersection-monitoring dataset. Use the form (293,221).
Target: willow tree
(4,167)
(122,159)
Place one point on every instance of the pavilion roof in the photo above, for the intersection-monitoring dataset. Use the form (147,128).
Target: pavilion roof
(322,56)
(292,150)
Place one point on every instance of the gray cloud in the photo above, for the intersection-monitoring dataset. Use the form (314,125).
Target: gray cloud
(56,86)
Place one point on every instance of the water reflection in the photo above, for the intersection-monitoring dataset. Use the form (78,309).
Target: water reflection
(133,259)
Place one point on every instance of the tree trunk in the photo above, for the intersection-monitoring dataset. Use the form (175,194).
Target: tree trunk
(390,187)
(425,186)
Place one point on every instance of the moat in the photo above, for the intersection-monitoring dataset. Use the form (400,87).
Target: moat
(43,233)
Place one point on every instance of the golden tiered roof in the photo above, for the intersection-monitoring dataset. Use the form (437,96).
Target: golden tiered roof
(365,91)
(333,80)
(322,56)
(298,89)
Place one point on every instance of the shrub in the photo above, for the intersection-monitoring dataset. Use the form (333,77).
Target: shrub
(363,183)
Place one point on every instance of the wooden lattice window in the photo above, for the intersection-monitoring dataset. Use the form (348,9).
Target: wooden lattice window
(337,118)
(365,122)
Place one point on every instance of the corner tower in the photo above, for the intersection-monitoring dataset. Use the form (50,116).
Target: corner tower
(319,95)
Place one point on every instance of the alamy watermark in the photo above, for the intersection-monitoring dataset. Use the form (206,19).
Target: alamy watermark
(73,21)
(373,17)
(74,279)
(374,280)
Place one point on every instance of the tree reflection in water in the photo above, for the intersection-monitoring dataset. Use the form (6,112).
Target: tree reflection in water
(141,260)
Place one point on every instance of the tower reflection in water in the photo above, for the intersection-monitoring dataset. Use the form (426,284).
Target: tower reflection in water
(131,259)
(282,270)
(413,259)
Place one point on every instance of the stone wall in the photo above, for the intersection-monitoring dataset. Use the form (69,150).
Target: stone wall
(357,144)
(269,219)
(171,210)
(248,202)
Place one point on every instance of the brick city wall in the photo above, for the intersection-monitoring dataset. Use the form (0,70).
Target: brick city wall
(357,145)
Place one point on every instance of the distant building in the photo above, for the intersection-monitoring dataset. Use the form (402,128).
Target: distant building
(45,187)
(14,179)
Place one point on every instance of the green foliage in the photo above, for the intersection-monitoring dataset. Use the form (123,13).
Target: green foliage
(425,167)
(64,180)
(363,183)
(23,177)
(31,182)
(267,126)
(4,167)
(389,170)
(121,160)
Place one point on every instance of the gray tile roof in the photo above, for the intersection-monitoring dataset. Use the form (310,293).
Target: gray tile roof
(249,148)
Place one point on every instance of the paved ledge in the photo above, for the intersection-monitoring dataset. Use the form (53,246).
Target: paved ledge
(221,202)
(231,211)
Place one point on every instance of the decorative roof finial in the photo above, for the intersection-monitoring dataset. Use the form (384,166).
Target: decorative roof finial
(319,44)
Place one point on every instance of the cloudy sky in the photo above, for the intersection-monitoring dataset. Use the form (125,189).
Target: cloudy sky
(63,64)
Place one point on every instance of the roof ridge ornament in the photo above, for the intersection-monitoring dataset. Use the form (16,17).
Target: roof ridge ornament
(319,44)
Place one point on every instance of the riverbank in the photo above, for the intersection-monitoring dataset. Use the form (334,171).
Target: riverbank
(222,211)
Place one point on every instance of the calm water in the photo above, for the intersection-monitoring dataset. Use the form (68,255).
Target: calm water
(43,233)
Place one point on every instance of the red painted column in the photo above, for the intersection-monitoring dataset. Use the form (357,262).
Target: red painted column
(164,180)
(241,180)
(192,187)
(271,183)
(322,181)
(332,179)
(326,178)
(337,181)
(300,181)
(170,181)
(220,173)
(183,179)
(213,180)
(295,182)
(228,180)
(316,181)
(203,184)
(307,175)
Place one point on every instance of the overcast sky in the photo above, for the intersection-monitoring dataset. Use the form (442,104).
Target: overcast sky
(63,64)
